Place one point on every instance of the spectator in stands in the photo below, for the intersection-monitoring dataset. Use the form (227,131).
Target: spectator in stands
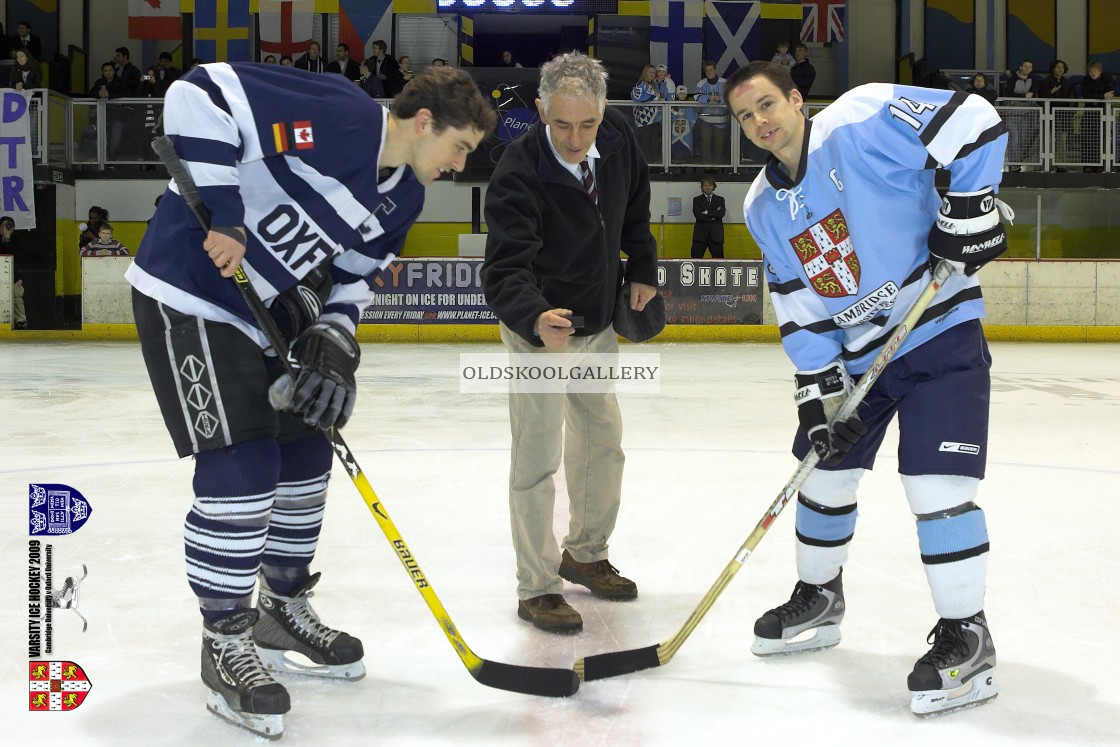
(1023,130)
(24,39)
(311,61)
(388,71)
(270,60)
(369,82)
(439,62)
(1096,85)
(666,86)
(128,73)
(106,245)
(166,73)
(342,64)
(97,216)
(8,245)
(26,73)
(802,72)
(712,128)
(286,61)
(508,59)
(647,119)
(681,128)
(196,61)
(782,56)
(979,86)
(1057,85)
(406,69)
(109,86)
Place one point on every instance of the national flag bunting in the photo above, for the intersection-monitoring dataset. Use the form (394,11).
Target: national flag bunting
(733,34)
(221,30)
(676,38)
(286,25)
(823,20)
(154,19)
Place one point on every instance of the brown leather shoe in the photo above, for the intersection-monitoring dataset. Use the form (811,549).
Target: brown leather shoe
(600,577)
(550,613)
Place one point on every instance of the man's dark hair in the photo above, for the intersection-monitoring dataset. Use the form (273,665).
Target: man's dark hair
(165,56)
(124,51)
(774,72)
(450,95)
(344,46)
(379,44)
(108,64)
(24,23)
(801,45)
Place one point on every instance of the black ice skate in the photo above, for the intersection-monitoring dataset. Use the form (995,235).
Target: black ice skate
(812,609)
(958,672)
(288,625)
(241,691)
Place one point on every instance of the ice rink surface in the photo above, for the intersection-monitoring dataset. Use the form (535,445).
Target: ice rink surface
(706,457)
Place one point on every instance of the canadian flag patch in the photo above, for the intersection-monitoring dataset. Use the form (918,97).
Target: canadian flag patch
(304,137)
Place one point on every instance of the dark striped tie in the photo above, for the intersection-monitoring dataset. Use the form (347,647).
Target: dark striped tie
(589,180)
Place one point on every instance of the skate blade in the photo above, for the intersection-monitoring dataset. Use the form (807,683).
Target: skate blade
(929,703)
(276,660)
(816,639)
(267,725)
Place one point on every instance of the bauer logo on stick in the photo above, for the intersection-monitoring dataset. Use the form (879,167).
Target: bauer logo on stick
(56,509)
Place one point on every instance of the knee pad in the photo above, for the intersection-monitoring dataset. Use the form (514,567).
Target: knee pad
(832,488)
(951,527)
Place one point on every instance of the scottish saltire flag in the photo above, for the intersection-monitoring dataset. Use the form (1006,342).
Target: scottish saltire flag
(823,20)
(286,26)
(676,38)
(221,30)
(362,21)
(732,35)
(154,19)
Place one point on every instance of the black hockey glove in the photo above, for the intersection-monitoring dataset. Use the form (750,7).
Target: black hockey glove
(968,233)
(324,391)
(299,307)
(819,396)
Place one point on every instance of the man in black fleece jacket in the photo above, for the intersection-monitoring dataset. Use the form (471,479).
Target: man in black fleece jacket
(565,198)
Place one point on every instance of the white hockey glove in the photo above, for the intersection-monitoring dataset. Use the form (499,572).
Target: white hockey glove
(324,391)
(819,395)
(968,233)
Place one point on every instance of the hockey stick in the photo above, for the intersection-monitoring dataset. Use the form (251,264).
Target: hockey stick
(601,666)
(549,682)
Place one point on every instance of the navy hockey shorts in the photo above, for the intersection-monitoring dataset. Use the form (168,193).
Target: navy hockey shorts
(210,380)
(940,391)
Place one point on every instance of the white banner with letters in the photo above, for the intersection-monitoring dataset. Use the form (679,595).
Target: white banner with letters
(17,184)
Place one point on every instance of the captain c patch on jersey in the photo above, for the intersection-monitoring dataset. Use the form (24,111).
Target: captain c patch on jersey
(825,249)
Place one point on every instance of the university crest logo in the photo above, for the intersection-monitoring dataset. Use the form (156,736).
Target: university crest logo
(831,264)
(56,685)
(56,509)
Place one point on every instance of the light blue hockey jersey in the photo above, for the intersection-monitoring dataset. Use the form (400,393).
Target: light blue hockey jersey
(845,241)
(293,157)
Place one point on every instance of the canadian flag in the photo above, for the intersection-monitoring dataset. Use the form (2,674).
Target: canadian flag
(286,25)
(154,19)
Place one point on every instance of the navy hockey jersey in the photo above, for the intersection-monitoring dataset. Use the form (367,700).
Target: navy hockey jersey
(845,240)
(293,157)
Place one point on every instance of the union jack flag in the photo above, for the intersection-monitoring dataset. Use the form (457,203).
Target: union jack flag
(823,20)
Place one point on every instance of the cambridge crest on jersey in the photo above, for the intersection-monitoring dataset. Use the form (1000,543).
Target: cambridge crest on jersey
(826,252)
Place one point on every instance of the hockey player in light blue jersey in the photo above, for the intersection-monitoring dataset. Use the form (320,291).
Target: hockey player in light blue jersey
(311,187)
(850,226)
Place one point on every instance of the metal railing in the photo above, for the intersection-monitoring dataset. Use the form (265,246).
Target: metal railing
(1044,135)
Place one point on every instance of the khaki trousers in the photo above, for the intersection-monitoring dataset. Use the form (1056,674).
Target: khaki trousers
(586,430)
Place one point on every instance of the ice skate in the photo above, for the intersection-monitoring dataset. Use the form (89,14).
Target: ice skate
(809,621)
(958,672)
(290,637)
(240,690)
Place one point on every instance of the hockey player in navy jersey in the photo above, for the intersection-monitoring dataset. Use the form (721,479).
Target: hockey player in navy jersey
(850,226)
(311,187)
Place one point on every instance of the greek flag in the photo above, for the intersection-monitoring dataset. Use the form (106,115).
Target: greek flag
(733,34)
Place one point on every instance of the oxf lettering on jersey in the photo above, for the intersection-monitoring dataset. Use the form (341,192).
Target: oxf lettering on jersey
(285,233)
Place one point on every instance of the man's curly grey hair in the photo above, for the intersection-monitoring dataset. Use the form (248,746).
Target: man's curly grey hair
(573,74)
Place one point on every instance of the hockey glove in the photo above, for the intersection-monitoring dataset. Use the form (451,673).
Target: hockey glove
(968,233)
(324,390)
(299,307)
(819,396)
